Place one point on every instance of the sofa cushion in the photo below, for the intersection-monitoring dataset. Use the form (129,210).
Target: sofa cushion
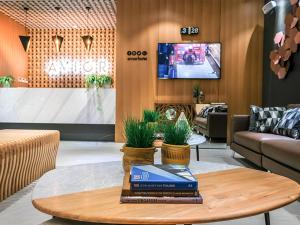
(283,151)
(212,109)
(253,140)
(264,119)
(289,125)
(200,121)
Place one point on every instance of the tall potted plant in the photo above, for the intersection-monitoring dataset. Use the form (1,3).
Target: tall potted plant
(175,149)
(139,144)
(6,81)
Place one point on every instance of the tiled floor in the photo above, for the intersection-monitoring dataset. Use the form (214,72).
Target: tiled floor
(17,210)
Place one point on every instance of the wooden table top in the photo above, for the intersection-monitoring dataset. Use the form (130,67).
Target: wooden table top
(227,195)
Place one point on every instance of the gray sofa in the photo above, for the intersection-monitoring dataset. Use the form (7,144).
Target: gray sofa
(278,154)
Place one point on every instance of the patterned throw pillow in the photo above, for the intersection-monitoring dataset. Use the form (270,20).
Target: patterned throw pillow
(289,125)
(264,120)
(212,109)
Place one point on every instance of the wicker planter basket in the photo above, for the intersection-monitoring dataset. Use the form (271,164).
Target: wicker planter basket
(137,156)
(175,154)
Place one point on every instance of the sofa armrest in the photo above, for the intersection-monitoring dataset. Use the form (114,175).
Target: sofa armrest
(217,124)
(239,123)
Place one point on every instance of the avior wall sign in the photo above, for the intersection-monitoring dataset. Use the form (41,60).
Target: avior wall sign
(71,66)
(137,55)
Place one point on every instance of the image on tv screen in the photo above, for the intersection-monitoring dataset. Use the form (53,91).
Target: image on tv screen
(189,61)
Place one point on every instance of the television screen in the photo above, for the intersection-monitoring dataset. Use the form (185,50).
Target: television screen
(189,61)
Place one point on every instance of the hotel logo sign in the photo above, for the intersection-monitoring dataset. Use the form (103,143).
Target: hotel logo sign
(137,55)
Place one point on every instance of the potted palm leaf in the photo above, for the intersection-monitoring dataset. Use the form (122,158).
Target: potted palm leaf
(175,149)
(139,144)
(6,81)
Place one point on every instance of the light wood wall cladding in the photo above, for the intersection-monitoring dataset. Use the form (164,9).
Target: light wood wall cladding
(25,155)
(141,24)
(42,50)
(13,59)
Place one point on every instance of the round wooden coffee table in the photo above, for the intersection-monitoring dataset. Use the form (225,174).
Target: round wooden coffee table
(228,194)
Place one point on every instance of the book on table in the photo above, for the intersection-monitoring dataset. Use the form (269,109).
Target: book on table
(160,184)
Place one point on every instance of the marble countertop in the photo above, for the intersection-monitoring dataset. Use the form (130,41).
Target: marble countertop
(57,105)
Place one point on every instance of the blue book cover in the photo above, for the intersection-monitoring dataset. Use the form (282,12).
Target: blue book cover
(162,177)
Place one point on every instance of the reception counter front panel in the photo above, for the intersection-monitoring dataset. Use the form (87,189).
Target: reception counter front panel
(79,113)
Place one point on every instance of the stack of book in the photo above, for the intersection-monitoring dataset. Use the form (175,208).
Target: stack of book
(160,184)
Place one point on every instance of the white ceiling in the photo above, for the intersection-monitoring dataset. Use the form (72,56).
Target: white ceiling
(42,13)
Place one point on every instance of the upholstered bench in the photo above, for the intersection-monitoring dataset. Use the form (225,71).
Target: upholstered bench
(25,155)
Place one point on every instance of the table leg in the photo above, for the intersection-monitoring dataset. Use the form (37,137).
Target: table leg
(197,152)
(267,218)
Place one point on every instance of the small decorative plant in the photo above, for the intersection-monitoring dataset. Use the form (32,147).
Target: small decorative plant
(105,81)
(176,135)
(175,149)
(138,134)
(92,80)
(139,143)
(151,116)
(198,95)
(6,81)
(98,81)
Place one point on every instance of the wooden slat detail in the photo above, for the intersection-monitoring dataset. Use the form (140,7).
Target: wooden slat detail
(42,51)
(237,24)
(25,155)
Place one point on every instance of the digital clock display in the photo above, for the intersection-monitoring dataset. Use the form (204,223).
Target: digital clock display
(189,30)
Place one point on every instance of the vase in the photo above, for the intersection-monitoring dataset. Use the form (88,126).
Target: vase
(175,154)
(144,156)
(107,86)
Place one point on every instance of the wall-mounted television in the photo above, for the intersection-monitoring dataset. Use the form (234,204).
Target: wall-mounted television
(189,61)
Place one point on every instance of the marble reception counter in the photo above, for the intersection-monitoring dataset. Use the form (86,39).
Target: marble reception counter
(81,110)
(57,105)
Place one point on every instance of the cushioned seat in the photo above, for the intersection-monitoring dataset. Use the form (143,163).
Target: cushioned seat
(253,140)
(286,152)
(202,122)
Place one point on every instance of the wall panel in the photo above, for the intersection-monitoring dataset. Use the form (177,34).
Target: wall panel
(13,59)
(141,24)
(67,68)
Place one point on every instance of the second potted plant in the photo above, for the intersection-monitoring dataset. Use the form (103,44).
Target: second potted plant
(106,81)
(175,149)
(6,81)
(139,144)
(198,95)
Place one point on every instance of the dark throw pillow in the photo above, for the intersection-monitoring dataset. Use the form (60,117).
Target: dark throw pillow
(212,109)
(289,125)
(264,120)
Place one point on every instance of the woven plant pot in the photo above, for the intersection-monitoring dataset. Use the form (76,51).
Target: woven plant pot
(137,156)
(175,154)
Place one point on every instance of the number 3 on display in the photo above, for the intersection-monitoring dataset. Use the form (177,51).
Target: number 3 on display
(189,30)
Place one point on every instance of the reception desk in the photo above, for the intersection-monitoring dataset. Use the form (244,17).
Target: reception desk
(79,113)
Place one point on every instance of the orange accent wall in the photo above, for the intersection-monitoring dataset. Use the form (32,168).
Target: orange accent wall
(13,58)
